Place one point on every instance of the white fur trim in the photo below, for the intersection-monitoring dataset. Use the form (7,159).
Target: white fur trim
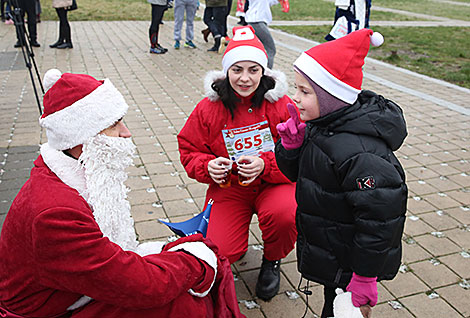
(149,248)
(343,306)
(201,251)
(67,169)
(210,78)
(326,80)
(50,78)
(244,53)
(280,89)
(85,118)
(376,39)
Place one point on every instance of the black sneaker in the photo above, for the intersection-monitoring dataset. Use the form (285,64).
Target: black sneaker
(269,279)
(162,48)
(35,43)
(17,44)
(156,50)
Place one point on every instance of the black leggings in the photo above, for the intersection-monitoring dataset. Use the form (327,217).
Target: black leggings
(329,295)
(157,16)
(64,26)
(28,7)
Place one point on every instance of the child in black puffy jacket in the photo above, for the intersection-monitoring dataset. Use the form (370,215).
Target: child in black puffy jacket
(351,190)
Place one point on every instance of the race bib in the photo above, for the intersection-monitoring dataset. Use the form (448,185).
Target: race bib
(249,140)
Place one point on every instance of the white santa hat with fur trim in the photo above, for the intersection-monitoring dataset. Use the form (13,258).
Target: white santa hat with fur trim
(336,66)
(77,106)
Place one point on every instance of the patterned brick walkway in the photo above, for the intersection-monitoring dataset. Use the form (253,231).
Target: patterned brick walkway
(162,91)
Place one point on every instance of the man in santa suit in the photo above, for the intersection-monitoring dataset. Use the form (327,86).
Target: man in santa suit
(68,246)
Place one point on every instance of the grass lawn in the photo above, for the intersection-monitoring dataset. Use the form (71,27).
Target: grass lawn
(440,52)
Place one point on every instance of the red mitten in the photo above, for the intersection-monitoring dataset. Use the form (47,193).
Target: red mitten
(292,132)
(363,290)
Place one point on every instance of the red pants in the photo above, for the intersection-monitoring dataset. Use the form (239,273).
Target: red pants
(233,209)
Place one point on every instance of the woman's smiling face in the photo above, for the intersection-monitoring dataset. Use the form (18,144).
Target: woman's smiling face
(244,77)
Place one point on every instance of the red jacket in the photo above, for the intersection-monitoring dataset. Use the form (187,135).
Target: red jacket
(53,252)
(201,138)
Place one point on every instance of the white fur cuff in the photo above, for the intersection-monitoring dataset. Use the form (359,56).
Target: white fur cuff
(201,251)
(149,248)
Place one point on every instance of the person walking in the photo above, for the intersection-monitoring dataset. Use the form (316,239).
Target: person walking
(234,126)
(190,7)
(158,9)
(214,18)
(65,36)
(259,16)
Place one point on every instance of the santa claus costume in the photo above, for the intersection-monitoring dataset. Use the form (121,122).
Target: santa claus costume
(213,130)
(68,247)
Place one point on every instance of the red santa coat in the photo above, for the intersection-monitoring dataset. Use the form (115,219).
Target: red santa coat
(53,252)
(271,195)
(201,139)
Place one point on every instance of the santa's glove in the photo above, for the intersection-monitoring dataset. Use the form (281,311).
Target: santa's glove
(363,290)
(292,132)
(196,246)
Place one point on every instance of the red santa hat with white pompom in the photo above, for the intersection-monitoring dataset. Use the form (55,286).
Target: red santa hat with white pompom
(336,66)
(77,107)
(244,46)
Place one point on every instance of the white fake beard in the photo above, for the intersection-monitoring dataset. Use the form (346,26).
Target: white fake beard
(104,160)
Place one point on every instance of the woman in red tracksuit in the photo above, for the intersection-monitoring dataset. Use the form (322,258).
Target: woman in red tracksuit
(236,125)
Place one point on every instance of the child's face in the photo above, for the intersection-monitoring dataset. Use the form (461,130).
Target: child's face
(306,99)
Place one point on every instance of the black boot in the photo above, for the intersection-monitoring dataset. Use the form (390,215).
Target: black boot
(269,279)
(65,45)
(56,44)
(216,46)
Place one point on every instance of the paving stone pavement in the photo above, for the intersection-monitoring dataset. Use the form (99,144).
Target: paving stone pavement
(162,90)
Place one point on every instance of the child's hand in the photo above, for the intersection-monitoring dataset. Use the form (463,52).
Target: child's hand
(363,290)
(292,131)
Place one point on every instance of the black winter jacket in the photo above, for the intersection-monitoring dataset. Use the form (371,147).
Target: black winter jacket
(351,192)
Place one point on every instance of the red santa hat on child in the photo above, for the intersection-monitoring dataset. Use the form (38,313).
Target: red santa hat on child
(244,46)
(77,107)
(336,66)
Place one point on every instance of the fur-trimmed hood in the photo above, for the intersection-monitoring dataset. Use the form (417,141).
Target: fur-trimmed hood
(273,95)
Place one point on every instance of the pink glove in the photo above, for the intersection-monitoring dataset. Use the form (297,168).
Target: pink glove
(292,131)
(363,290)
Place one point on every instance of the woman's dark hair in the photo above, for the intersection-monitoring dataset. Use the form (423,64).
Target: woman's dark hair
(229,98)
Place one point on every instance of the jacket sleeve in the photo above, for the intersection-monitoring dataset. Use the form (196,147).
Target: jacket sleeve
(287,161)
(72,255)
(377,193)
(195,152)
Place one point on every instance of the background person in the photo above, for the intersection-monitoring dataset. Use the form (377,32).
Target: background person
(214,18)
(259,16)
(68,244)
(190,6)
(158,9)
(27,7)
(245,94)
(351,191)
(65,36)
